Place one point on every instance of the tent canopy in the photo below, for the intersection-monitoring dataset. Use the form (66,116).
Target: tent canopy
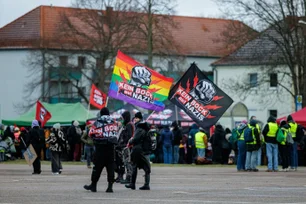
(299,117)
(63,113)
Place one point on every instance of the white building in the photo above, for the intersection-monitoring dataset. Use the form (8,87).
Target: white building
(257,87)
(28,34)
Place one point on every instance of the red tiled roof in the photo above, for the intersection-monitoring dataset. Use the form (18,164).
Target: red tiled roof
(195,36)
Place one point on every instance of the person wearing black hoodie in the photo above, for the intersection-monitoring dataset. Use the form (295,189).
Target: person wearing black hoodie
(252,148)
(177,137)
(34,139)
(216,141)
(284,148)
(138,154)
(293,127)
(127,132)
(269,133)
(104,133)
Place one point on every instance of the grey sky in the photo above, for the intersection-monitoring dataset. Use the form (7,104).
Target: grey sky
(12,9)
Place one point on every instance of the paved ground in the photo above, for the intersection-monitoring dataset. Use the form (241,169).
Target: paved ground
(169,184)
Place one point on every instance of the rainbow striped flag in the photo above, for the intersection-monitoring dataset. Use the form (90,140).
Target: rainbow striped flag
(138,85)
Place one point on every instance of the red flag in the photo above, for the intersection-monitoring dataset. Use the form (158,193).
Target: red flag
(42,114)
(97,97)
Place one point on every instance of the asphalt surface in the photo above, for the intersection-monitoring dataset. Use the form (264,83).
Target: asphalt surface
(169,184)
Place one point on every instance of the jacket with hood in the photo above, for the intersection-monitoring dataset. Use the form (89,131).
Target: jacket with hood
(298,134)
(191,136)
(266,130)
(177,134)
(128,130)
(166,136)
(104,131)
(139,149)
(218,136)
(56,140)
(254,147)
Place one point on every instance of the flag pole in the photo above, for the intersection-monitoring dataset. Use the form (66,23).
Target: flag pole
(150,115)
(176,116)
(88,109)
(106,102)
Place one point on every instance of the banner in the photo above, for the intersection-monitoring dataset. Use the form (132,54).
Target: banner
(30,155)
(42,114)
(97,97)
(138,85)
(200,98)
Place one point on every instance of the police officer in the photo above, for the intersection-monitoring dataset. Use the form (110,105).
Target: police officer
(138,157)
(104,134)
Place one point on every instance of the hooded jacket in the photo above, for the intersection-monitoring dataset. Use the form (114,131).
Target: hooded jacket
(166,136)
(218,136)
(128,130)
(177,134)
(254,147)
(266,130)
(104,131)
(194,129)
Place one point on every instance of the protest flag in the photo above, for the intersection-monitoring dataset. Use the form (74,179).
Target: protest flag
(138,85)
(97,98)
(42,114)
(199,97)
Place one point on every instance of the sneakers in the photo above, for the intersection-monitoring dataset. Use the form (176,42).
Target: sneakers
(255,170)
(89,167)
(269,170)
(55,173)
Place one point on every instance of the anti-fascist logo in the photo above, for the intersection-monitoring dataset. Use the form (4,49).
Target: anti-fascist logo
(141,76)
(204,91)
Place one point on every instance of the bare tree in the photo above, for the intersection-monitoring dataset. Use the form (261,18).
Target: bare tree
(279,48)
(95,30)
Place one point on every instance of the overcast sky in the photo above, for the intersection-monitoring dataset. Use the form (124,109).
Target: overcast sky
(12,9)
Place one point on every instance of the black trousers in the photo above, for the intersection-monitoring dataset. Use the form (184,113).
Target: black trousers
(104,156)
(285,155)
(36,163)
(56,164)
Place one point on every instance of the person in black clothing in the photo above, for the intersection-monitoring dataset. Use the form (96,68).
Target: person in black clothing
(125,135)
(34,140)
(23,139)
(226,147)
(104,134)
(216,141)
(138,154)
(177,137)
(42,142)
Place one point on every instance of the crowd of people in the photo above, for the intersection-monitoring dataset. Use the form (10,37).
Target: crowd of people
(123,146)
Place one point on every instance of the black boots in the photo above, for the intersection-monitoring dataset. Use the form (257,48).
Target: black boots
(146,186)
(109,188)
(131,186)
(127,180)
(119,178)
(92,187)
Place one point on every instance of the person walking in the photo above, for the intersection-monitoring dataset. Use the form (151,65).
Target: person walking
(138,157)
(104,133)
(269,133)
(34,139)
(56,142)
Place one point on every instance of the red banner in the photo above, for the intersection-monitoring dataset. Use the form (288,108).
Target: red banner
(97,97)
(42,114)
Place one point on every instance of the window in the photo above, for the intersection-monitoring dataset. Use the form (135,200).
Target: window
(170,66)
(81,62)
(63,61)
(273,80)
(253,80)
(146,62)
(273,113)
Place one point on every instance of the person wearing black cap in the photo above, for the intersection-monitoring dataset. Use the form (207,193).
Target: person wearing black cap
(104,134)
(138,158)
(284,148)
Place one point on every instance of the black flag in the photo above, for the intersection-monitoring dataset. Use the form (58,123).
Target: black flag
(199,97)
